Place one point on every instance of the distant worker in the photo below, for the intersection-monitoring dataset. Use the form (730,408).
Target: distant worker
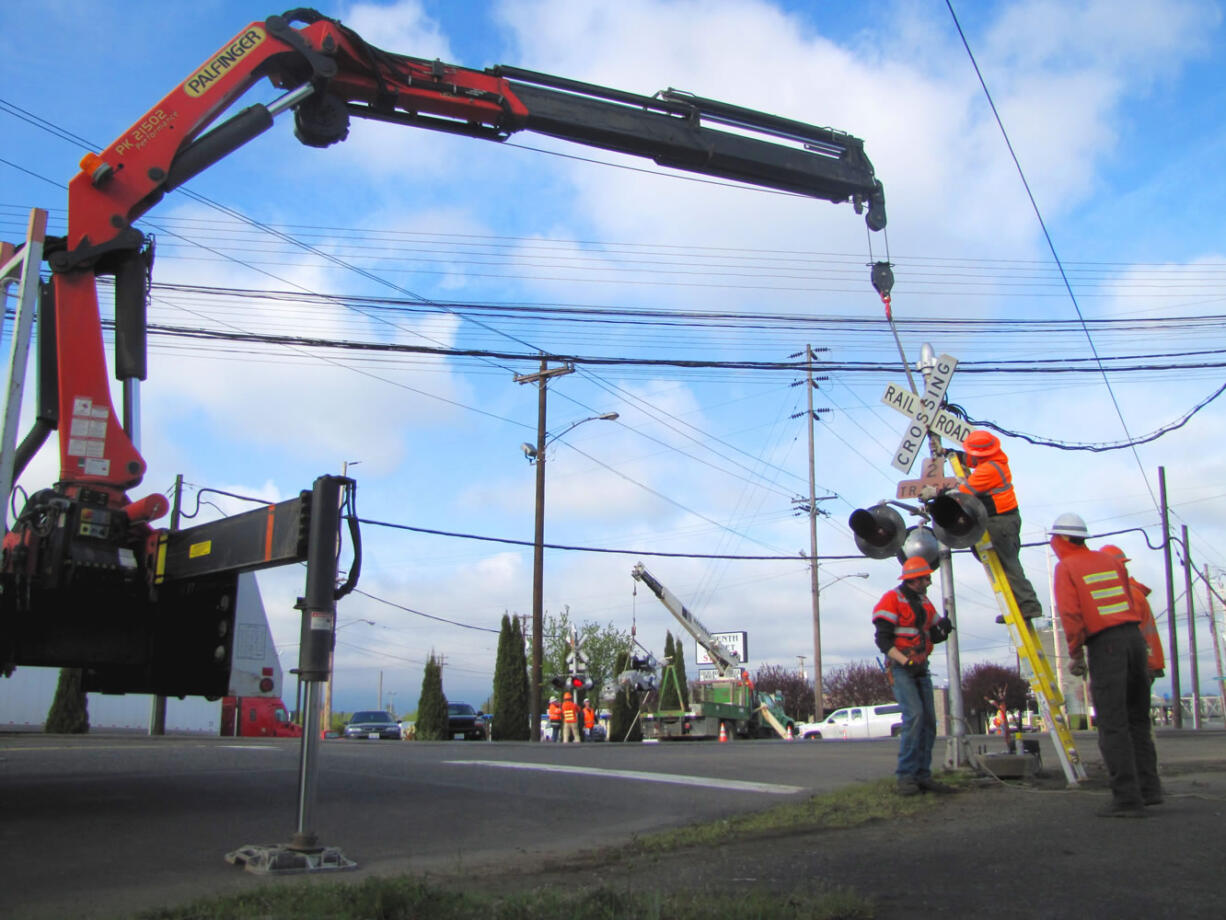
(555,719)
(589,720)
(570,720)
(1156,661)
(907,628)
(991,481)
(1092,599)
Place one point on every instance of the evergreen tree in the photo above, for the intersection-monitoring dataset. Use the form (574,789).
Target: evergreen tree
(623,724)
(670,696)
(679,663)
(70,709)
(528,721)
(510,685)
(432,705)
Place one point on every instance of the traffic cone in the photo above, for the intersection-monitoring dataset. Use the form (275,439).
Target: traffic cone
(723,733)
(790,735)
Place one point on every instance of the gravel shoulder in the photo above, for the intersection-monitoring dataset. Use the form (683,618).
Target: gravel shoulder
(1009,850)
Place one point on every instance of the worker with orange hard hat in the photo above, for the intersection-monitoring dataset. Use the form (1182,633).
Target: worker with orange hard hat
(990,480)
(1156,662)
(907,628)
(570,720)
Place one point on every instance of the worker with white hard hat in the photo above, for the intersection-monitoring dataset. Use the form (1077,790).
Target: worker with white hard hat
(1102,626)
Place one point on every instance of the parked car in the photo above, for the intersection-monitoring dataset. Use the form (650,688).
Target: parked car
(882,721)
(464,722)
(372,723)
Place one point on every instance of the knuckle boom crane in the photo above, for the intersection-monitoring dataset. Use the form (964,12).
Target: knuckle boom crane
(730,701)
(87,581)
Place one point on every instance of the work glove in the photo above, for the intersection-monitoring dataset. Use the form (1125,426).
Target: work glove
(941,629)
(1078,667)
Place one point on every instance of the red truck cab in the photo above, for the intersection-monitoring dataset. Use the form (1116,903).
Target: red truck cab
(257,717)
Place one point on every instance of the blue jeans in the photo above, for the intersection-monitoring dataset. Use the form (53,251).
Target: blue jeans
(919,723)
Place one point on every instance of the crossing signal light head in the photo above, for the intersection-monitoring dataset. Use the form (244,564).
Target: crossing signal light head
(879,531)
(579,682)
(559,682)
(637,680)
(958,519)
(921,542)
(646,663)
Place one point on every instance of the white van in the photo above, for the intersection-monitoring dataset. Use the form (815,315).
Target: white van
(882,721)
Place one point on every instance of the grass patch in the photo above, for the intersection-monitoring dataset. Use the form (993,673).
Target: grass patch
(844,808)
(404,899)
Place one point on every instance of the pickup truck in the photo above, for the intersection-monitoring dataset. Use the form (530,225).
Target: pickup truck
(883,721)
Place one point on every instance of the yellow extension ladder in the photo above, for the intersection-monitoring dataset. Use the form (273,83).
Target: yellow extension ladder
(1034,666)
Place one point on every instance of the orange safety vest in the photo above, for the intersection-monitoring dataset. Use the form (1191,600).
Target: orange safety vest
(910,636)
(589,717)
(992,481)
(555,712)
(1091,591)
(1149,629)
(570,712)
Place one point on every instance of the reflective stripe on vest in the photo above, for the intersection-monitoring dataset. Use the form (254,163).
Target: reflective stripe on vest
(1112,598)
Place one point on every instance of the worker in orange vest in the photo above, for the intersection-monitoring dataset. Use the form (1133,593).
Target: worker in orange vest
(555,718)
(589,720)
(1156,661)
(570,720)
(1099,618)
(907,627)
(991,481)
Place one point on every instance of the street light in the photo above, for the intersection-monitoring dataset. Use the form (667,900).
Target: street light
(537,455)
(819,700)
(835,581)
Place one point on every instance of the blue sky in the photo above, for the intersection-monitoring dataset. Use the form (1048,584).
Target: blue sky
(1115,117)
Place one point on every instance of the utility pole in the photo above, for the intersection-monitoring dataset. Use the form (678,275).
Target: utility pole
(538,553)
(819,701)
(1187,581)
(1172,627)
(1217,646)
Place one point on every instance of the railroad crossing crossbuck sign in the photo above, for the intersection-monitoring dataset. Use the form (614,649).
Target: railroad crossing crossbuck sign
(925,413)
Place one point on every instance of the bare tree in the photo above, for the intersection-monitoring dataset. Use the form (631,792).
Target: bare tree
(861,683)
(797,692)
(985,686)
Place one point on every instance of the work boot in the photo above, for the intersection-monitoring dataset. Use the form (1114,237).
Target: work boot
(1152,798)
(1120,810)
(931,785)
(908,786)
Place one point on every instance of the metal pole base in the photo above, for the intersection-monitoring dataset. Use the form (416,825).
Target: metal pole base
(282,859)
(957,752)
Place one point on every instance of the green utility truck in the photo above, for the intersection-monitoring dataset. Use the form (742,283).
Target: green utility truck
(727,705)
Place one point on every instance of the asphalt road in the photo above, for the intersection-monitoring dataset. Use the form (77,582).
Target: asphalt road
(101,825)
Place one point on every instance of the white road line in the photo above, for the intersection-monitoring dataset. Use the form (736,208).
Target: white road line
(734,785)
